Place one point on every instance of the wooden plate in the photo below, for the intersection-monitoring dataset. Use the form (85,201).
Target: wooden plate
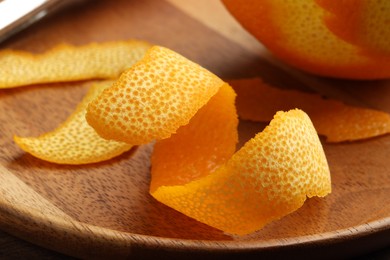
(104,210)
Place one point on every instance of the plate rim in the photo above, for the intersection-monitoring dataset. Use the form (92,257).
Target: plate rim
(127,240)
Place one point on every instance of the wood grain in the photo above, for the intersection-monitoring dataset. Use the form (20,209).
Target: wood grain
(104,209)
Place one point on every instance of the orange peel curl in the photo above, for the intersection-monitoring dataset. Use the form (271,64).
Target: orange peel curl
(268,178)
(339,122)
(191,113)
(153,98)
(69,63)
(74,141)
(201,146)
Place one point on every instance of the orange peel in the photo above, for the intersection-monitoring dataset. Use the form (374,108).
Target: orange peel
(74,141)
(210,138)
(362,23)
(268,178)
(343,39)
(191,113)
(153,98)
(69,63)
(339,122)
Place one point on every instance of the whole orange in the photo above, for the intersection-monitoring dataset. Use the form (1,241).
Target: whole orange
(335,38)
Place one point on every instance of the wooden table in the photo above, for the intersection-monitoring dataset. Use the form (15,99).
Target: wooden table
(203,31)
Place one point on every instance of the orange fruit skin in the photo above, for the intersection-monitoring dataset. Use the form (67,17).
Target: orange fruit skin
(74,141)
(341,39)
(266,179)
(153,98)
(201,146)
(339,122)
(353,21)
(65,63)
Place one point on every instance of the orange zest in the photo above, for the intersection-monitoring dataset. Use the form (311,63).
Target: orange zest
(195,170)
(153,98)
(69,63)
(339,122)
(74,141)
(191,113)
(268,178)
(201,146)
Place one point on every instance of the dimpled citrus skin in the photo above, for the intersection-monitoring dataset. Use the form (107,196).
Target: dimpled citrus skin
(298,33)
(69,63)
(209,147)
(363,23)
(269,177)
(153,98)
(339,122)
(74,141)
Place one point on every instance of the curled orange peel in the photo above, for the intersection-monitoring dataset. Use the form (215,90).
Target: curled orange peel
(199,147)
(69,63)
(268,178)
(339,122)
(195,169)
(74,141)
(153,98)
(192,114)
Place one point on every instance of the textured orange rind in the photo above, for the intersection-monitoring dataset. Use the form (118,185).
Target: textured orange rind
(337,121)
(69,63)
(195,170)
(191,113)
(74,141)
(363,23)
(153,98)
(327,38)
(201,146)
(268,178)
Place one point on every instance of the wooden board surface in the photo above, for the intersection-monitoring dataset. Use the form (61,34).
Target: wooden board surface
(104,210)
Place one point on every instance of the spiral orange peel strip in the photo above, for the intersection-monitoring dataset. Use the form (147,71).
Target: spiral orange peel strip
(191,113)
(74,141)
(153,98)
(339,122)
(268,178)
(69,63)
(198,148)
